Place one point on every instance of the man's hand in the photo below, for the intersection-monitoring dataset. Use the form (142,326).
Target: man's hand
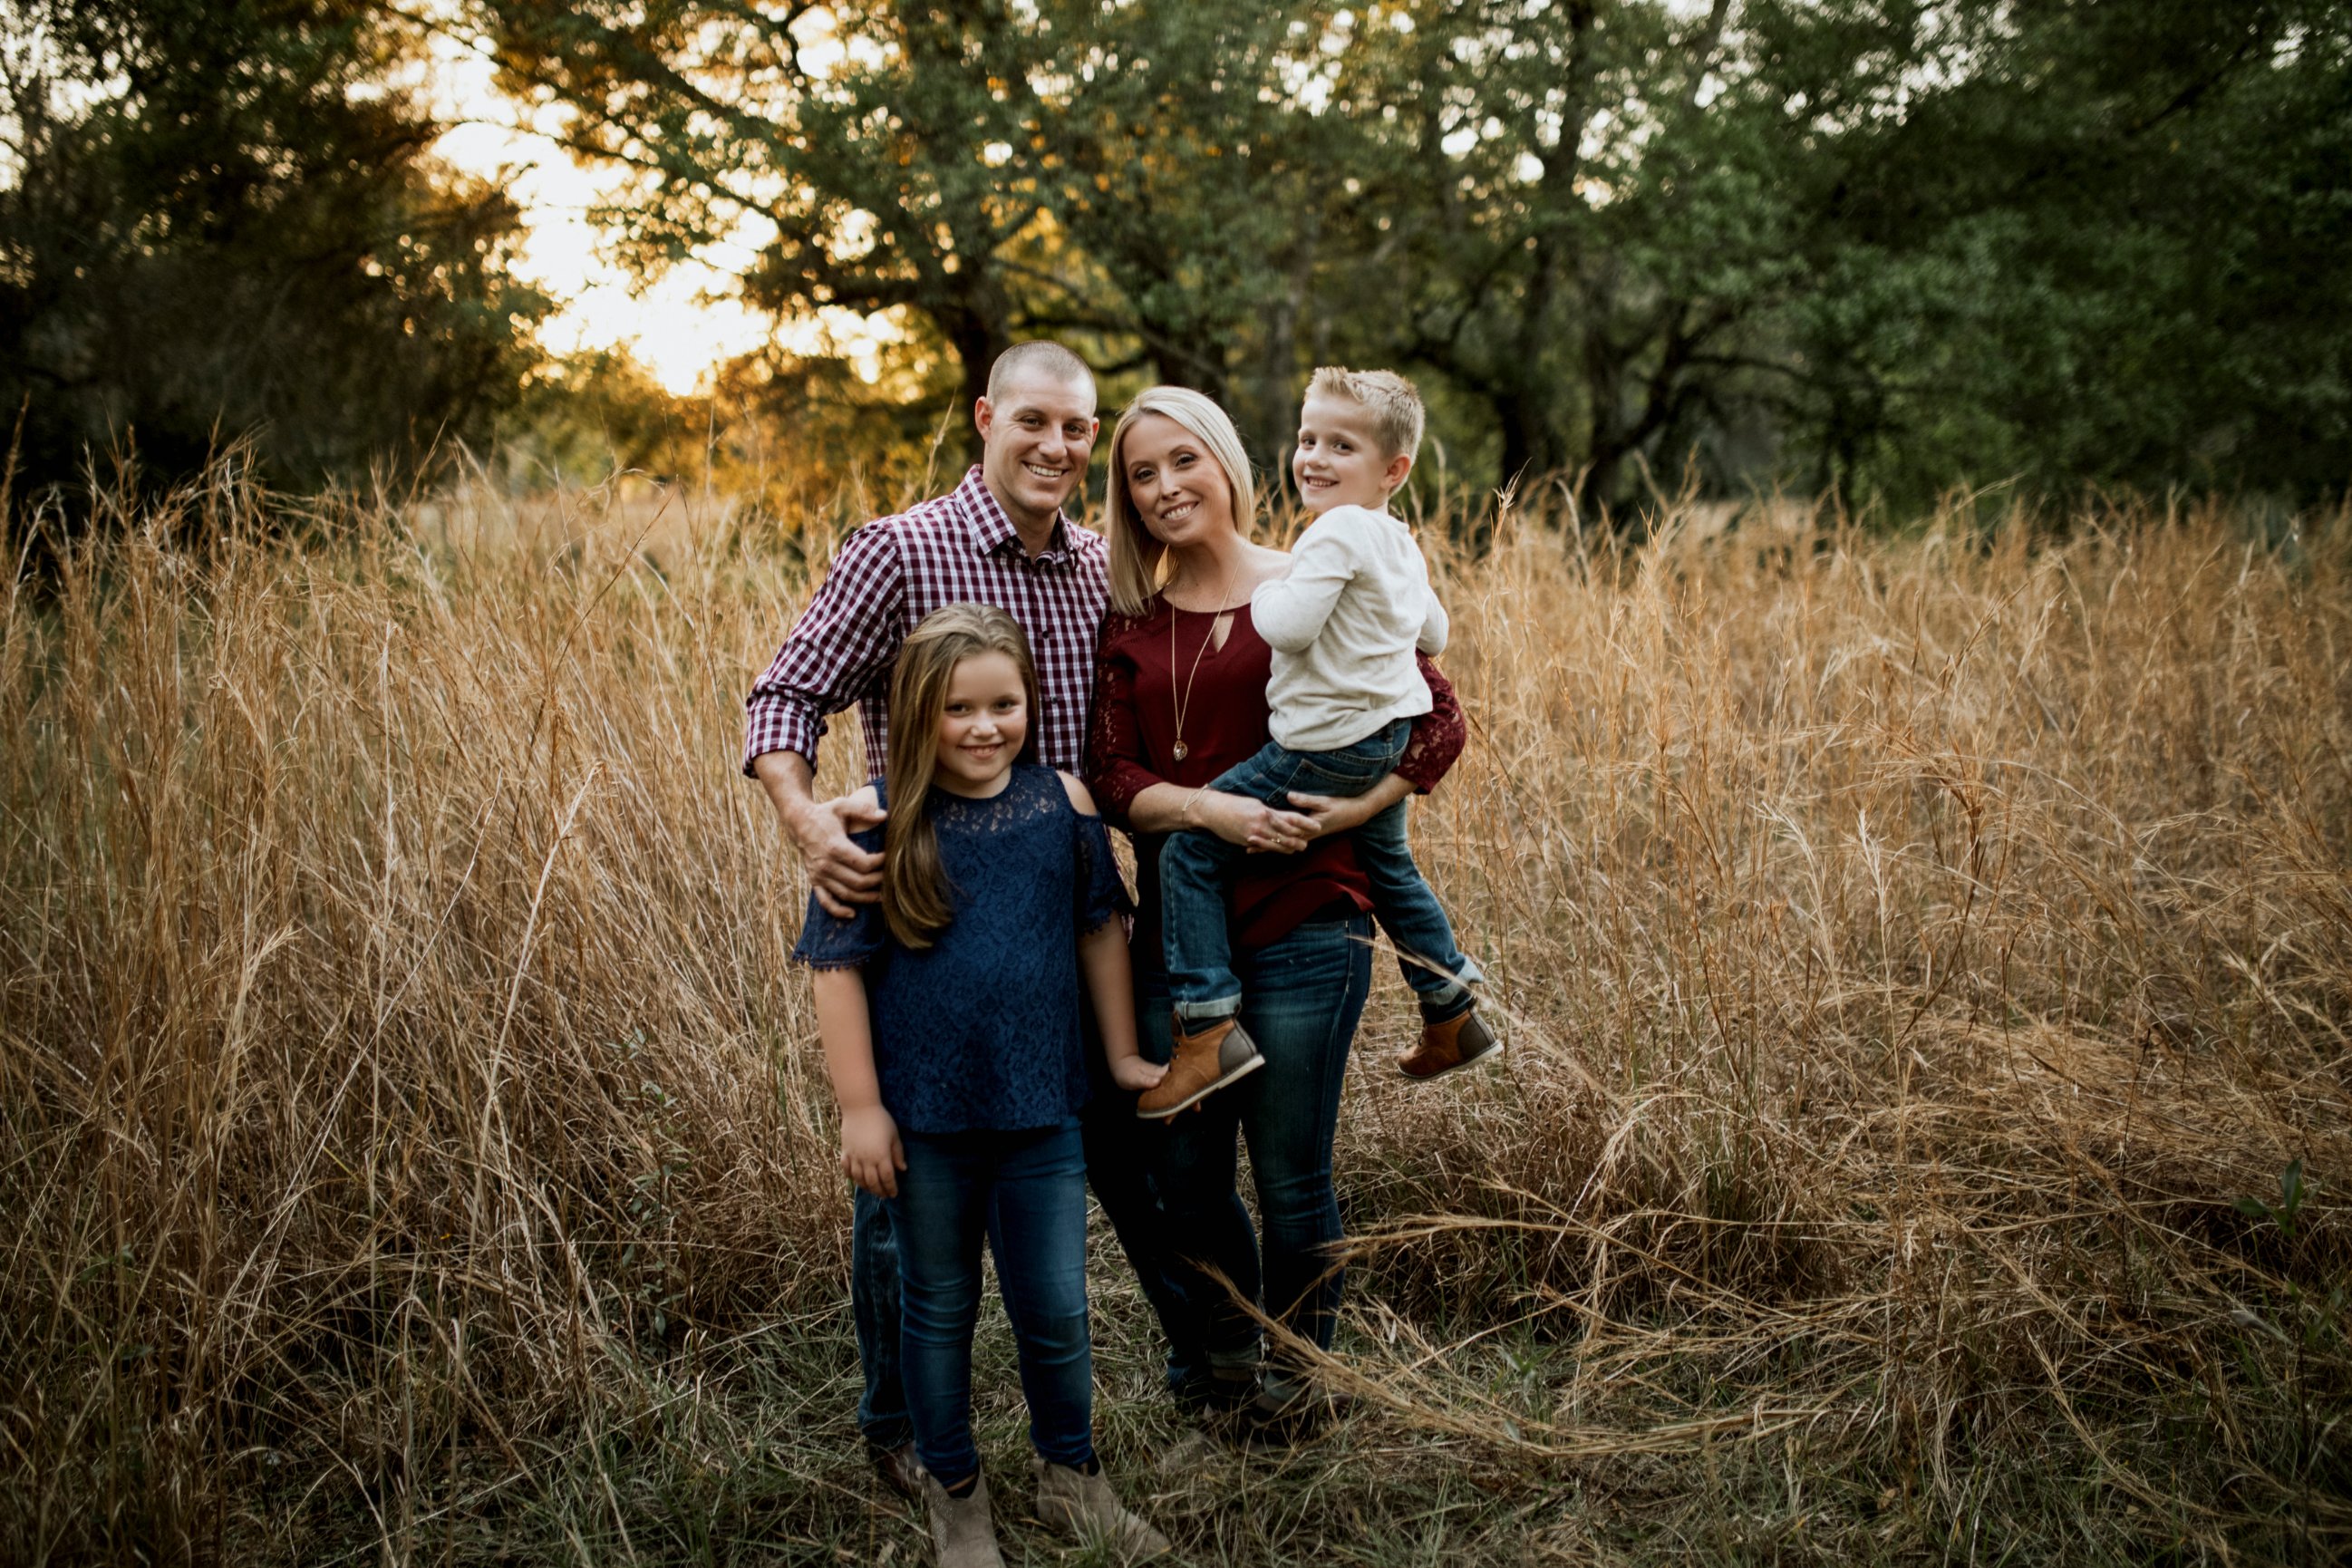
(840,874)
(870,1151)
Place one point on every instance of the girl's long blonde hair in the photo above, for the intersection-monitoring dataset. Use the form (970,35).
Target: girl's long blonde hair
(917,900)
(1138,563)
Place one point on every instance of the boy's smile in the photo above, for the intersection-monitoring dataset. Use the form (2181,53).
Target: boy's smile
(1338,461)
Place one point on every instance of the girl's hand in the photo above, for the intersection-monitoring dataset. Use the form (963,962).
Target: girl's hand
(870,1151)
(1254,825)
(1135,1075)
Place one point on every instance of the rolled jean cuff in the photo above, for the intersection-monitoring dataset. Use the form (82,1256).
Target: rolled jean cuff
(1453,998)
(1210,1012)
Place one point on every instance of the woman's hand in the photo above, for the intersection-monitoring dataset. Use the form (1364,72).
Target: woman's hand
(870,1151)
(1251,824)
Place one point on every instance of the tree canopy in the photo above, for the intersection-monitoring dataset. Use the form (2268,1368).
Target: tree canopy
(1884,246)
(1880,244)
(219,222)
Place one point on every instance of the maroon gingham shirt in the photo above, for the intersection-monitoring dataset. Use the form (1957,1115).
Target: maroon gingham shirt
(888,576)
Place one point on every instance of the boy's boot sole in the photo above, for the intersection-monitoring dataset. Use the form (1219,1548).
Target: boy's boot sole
(1202,1064)
(961,1530)
(1449,1047)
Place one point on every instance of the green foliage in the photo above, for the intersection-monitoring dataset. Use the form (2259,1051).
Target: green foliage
(1883,244)
(220,221)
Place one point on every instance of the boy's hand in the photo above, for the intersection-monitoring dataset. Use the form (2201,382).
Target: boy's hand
(1341,814)
(870,1151)
(1135,1075)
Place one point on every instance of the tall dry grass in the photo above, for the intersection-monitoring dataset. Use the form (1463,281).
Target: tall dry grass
(1912,950)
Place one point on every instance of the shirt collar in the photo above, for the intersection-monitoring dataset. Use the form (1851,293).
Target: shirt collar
(992,530)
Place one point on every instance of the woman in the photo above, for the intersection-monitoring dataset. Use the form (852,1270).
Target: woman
(1180,698)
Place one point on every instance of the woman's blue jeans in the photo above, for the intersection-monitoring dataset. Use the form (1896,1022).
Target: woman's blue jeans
(1026,1194)
(1302,996)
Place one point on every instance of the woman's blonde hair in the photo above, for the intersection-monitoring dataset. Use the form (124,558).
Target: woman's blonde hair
(917,900)
(1138,563)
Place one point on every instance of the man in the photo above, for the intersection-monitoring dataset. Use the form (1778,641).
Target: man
(999,538)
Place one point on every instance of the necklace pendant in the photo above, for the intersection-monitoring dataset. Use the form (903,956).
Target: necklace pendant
(1181,751)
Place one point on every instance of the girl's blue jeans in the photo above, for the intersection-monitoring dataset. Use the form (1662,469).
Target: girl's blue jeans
(1026,1193)
(1302,997)
(1194,866)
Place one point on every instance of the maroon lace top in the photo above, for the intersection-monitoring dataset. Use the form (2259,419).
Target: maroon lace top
(1131,746)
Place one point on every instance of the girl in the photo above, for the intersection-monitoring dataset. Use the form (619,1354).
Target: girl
(950,1017)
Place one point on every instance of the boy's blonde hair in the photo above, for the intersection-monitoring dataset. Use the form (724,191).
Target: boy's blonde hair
(1138,560)
(916,899)
(1393,403)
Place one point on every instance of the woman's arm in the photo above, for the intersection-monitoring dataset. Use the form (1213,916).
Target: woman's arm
(1437,738)
(1236,818)
(870,1151)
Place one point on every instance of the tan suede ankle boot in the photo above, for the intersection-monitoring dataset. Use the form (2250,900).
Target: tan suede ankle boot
(962,1528)
(1089,1509)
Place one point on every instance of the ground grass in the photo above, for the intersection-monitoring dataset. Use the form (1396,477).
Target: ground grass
(1927,963)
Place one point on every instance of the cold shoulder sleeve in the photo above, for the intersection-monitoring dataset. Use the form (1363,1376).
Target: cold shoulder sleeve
(1101,892)
(829,942)
(1437,735)
(1115,771)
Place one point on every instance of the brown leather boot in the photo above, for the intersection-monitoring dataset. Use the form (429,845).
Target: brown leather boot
(1203,1064)
(1456,1043)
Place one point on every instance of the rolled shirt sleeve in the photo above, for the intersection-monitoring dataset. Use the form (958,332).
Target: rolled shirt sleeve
(841,646)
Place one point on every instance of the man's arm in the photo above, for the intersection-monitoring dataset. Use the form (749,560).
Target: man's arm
(840,873)
(840,647)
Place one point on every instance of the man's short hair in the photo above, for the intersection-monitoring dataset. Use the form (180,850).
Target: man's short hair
(1042,356)
(1393,403)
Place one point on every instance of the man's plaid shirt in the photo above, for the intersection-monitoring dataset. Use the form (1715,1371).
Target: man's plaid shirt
(888,576)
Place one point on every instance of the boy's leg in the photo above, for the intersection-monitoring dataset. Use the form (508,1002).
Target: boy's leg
(1438,971)
(1193,865)
(940,1217)
(1038,1233)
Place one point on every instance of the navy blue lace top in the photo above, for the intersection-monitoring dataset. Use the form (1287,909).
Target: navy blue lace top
(981,1029)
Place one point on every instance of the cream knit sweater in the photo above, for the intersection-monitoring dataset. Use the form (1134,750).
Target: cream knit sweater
(1343,625)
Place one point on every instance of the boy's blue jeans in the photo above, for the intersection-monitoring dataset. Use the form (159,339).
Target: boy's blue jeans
(1026,1193)
(1193,867)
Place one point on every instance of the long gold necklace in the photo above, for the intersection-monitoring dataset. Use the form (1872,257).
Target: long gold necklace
(1183,702)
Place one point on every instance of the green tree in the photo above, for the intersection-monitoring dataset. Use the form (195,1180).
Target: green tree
(218,220)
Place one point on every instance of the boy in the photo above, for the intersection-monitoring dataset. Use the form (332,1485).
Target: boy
(1343,625)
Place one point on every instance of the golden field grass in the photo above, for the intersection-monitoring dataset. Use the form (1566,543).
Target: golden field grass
(1913,948)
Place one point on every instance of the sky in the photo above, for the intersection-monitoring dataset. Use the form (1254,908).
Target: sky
(680,326)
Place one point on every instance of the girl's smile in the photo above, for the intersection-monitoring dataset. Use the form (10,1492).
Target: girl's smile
(983,725)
